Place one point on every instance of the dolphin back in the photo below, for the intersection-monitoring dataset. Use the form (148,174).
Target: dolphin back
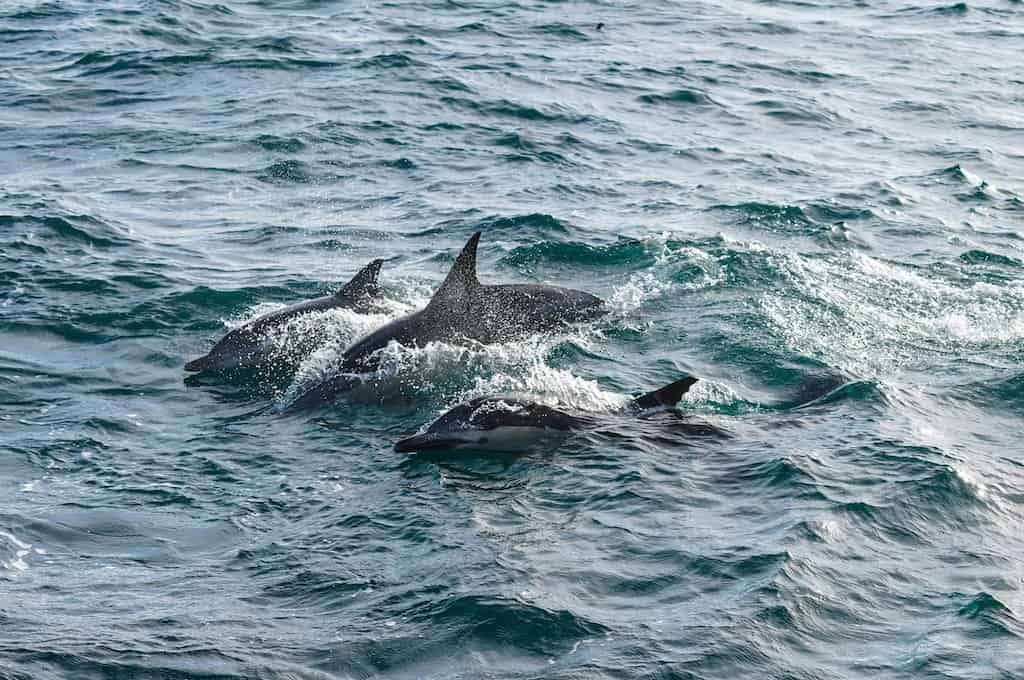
(363,284)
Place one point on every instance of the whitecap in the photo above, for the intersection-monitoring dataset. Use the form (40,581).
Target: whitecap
(13,554)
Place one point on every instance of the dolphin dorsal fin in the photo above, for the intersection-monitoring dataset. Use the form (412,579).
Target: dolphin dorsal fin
(669,395)
(461,279)
(364,283)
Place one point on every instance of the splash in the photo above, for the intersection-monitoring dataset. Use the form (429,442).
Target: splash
(447,373)
(632,295)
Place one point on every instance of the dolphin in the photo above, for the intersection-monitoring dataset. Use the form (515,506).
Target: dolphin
(251,345)
(463,310)
(498,423)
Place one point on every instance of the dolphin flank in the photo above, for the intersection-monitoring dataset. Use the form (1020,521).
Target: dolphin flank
(251,345)
(511,424)
(465,310)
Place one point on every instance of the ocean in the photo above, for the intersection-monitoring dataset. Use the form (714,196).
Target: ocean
(816,208)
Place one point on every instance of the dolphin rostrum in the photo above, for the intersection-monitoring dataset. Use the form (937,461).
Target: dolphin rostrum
(251,345)
(513,424)
(463,310)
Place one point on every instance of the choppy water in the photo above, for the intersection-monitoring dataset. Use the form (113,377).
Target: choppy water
(793,201)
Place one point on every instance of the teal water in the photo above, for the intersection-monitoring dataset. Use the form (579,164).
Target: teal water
(816,208)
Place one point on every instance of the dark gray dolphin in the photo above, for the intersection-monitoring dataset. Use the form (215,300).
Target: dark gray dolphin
(463,310)
(251,345)
(512,424)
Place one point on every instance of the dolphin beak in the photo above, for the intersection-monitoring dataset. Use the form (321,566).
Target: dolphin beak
(429,441)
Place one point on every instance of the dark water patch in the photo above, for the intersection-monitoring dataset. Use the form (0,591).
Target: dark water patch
(279,144)
(881,521)
(777,218)
(477,27)
(66,454)
(400,164)
(981,257)
(515,141)
(777,477)
(107,663)
(548,157)
(274,233)
(1002,394)
(794,71)
(335,132)
(144,164)
(920,499)
(561,30)
(771,28)
(683,96)
(857,391)
(279,64)
(916,106)
(450,84)
(282,44)
(215,302)
(11,36)
(980,193)
(500,623)
(737,567)
(334,245)
(995,617)
(170,31)
(81,229)
(505,108)
(314,591)
(833,211)
(392,60)
(797,113)
(958,9)
(538,224)
(128,64)
(620,254)
(954,174)
(42,11)
(32,249)
(946,489)
(288,172)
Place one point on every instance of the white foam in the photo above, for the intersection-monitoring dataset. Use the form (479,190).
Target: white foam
(871,317)
(457,373)
(710,392)
(13,552)
(640,288)
(18,291)
(643,287)
(971,481)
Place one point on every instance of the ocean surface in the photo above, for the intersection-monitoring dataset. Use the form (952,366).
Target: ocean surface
(816,208)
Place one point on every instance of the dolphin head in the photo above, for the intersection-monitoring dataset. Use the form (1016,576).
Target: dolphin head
(456,428)
(493,423)
(234,350)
